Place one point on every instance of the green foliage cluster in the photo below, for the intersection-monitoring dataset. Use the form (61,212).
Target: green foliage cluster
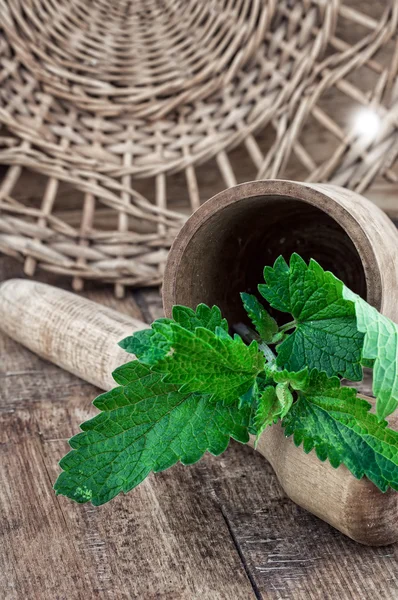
(194,386)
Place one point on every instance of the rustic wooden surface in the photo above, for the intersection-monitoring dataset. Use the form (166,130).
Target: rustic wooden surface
(81,336)
(221,529)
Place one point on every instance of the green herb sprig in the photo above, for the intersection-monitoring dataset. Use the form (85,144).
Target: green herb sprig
(194,386)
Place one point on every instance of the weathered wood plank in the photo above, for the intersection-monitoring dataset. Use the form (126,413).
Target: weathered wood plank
(220,529)
(24,377)
(289,552)
(164,540)
(38,558)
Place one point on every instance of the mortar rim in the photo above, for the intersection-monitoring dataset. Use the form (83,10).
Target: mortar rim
(313,194)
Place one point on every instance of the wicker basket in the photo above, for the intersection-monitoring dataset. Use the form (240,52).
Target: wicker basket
(143,58)
(109,133)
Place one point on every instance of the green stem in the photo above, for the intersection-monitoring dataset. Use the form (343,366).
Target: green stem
(288,326)
(268,354)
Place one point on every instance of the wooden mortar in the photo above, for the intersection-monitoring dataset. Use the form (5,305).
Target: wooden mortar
(222,250)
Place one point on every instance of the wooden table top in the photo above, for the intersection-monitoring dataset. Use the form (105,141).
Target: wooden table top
(219,530)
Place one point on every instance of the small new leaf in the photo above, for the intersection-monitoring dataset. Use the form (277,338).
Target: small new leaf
(326,335)
(264,379)
(267,411)
(145,425)
(265,325)
(273,404)
(338,424)
(285,398)
(298,380)
(380,351)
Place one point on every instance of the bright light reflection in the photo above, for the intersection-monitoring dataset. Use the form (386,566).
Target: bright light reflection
(366,124)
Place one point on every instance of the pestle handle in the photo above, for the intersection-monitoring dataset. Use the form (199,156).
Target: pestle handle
(81,336)
(76,334)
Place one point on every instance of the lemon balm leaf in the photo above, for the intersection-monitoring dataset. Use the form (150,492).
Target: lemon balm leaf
(150,345)
(380,352)
(339,426)
(144,426)
(326,336)
(265,325)
(209,362)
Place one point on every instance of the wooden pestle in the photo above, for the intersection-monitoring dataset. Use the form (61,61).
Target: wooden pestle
(76,334)
(81,336)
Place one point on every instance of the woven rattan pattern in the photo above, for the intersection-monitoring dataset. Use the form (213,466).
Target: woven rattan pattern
(144,58)
(123,237)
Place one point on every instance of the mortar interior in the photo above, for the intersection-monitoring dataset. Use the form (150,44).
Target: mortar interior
(226,255)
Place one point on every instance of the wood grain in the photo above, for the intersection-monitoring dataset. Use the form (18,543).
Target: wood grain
(221,529)
(167,540)
(75,333)
(82,337)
